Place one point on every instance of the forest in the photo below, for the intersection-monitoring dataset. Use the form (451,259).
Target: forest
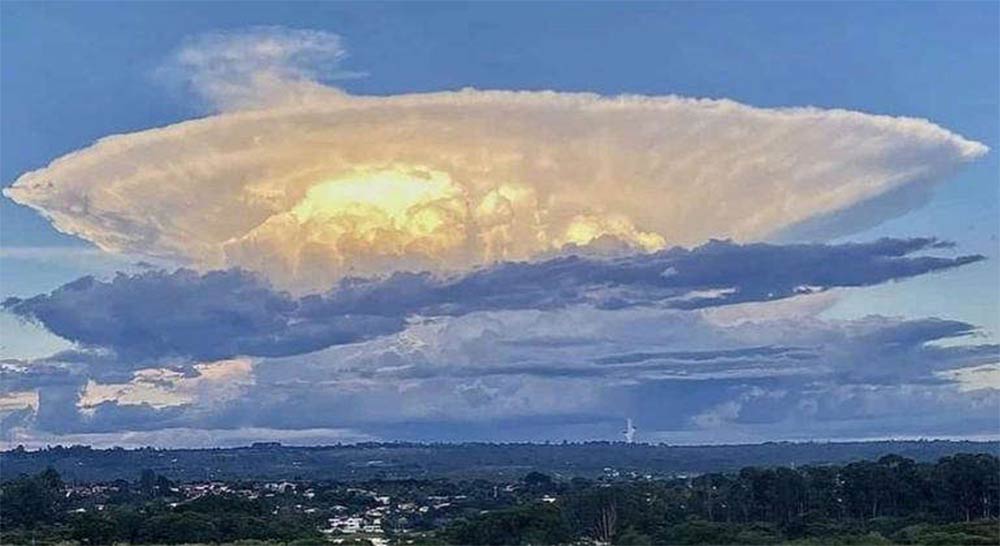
(892,500)
(471,460)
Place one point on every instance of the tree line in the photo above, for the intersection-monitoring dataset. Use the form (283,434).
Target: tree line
(955,500)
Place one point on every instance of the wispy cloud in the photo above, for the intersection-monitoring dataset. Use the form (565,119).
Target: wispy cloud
(180,438)
(257,67)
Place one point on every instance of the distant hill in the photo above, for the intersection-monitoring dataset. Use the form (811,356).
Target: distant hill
(267,461)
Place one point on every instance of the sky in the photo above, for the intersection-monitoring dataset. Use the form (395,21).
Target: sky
(333,222)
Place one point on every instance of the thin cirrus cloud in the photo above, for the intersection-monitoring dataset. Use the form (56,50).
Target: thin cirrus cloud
(221,314)
(307,184)
(256,67)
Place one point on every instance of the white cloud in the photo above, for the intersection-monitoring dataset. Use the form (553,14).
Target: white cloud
(489,174)
(974,378)
(257,67)
(181,438)
(18,400)
(804,306)
(212,383)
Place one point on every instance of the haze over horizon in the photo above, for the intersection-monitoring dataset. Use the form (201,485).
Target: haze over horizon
(378,223)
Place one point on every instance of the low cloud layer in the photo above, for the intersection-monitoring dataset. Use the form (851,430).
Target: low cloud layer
(568,373)
(307,184)
(157,315)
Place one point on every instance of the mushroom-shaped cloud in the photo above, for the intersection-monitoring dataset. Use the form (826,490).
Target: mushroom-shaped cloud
(328,185)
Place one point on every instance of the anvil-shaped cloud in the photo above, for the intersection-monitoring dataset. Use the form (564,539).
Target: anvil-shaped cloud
(307,184)
(397,262)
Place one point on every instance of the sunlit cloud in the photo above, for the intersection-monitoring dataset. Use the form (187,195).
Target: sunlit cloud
(359,265)
(158,388)
(18,400)
(975,378)
(308,184)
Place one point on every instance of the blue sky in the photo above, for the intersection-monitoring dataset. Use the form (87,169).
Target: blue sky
(75,73)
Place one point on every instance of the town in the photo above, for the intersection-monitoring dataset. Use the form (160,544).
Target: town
(373,511)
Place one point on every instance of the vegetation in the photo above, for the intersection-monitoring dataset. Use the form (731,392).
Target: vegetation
(894,500)
(498,462)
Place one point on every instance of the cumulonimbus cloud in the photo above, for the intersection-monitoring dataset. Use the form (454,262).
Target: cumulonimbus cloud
(308,184)
(460,211)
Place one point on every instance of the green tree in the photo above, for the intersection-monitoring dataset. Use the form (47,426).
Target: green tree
(31,500)
(90,528)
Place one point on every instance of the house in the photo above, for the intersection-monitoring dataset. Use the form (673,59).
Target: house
(345,524)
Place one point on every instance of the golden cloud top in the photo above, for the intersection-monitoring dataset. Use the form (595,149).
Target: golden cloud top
(335,185)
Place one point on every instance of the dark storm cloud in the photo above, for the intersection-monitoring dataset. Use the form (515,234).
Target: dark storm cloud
(184,314)
(717,273)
